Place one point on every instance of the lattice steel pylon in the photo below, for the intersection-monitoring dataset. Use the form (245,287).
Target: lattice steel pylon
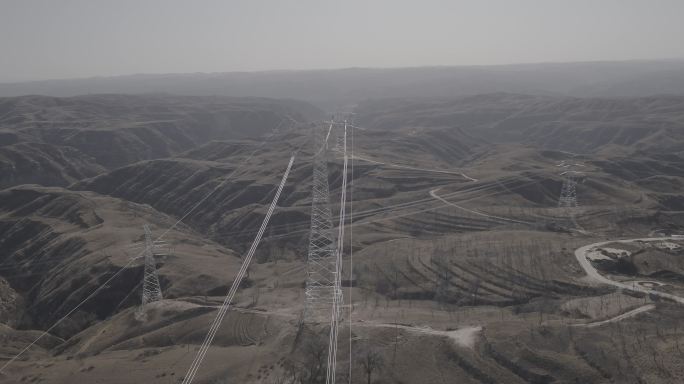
(151,290)
(321,274)
(337,292)
(568,197)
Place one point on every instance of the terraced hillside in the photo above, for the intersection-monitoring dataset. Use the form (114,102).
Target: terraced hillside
(581,125)
(57,141)
(458,265)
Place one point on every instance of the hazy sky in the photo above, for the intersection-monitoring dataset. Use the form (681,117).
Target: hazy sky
(42,39)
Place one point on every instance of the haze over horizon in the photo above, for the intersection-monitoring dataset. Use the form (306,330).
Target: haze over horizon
(77,38)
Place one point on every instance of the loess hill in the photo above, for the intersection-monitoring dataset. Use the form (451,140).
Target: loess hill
(464,266)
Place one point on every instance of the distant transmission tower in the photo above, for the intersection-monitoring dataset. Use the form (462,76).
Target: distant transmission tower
(568,197)
(151,291)
(321,274)
(338,144)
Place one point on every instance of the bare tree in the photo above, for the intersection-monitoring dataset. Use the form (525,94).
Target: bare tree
(316,355)
(307,364)
(474,288)
(255,296)
(370,361)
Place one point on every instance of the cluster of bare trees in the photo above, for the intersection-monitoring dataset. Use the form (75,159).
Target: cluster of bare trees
(307,364)
(370,360)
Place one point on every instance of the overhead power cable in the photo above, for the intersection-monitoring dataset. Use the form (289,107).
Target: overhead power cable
(194,367)
(132,260)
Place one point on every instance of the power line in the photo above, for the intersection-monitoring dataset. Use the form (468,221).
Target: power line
(351,253)
(192,371)
(394,207)
(118,272)
(337,295)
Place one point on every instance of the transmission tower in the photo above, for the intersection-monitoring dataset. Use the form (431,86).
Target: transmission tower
(568,197)
(338,144)
(151,290)
(337,302)
(321,269)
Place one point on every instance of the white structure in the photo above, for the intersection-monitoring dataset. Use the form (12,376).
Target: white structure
(337,302)
(151,290)
(568,197)
(321,260)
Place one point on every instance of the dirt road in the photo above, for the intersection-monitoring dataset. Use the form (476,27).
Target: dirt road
(626,315)
(593,276)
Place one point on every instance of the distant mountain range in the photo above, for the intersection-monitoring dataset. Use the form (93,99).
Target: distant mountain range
(330,89)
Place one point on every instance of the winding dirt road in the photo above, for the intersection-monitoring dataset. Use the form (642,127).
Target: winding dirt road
(626,315)
(415,168)
(594,276)
(464,336)
(434,194)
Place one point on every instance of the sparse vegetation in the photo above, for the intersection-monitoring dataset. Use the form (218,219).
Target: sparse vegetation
(464,268)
